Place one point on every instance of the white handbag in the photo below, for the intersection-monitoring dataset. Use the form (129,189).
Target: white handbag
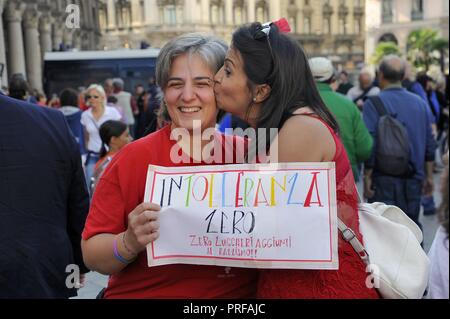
(398,265)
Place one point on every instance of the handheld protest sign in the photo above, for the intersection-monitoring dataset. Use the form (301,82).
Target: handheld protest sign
(252,216)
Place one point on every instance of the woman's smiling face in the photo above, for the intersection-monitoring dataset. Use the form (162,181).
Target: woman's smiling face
(189,93)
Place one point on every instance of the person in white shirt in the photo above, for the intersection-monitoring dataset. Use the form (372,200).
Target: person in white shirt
(358,94)
(438,287)
(92,119)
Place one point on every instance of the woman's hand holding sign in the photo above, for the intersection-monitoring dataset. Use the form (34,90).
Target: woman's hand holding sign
(143,228)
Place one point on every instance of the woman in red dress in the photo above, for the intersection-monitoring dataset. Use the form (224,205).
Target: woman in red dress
(266,81)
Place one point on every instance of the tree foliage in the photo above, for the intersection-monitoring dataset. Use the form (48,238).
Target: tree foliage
(383,49)
(426,48)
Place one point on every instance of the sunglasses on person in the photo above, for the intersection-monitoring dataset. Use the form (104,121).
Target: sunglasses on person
(263,32)
(95,97)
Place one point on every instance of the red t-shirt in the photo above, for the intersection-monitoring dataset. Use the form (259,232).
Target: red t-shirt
(121,190)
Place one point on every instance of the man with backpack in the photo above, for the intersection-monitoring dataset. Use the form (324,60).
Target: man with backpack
(401,166)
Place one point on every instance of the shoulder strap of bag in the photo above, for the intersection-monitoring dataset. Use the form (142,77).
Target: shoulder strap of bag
(363,94)
(95,123)
(350,237)
(379,105)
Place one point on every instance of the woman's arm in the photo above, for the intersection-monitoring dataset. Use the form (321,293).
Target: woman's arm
(143,228)
(303,139)
(86,137)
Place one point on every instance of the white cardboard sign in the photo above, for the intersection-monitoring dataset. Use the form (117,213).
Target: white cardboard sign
(252,216)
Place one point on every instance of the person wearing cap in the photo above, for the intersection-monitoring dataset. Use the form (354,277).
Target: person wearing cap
(354,134)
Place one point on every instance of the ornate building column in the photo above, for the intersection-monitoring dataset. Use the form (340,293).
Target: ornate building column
(32,47)
(45,33)
(4,76)
(16,52)
(58,30)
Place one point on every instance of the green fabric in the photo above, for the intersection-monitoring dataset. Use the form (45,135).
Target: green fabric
(354,134)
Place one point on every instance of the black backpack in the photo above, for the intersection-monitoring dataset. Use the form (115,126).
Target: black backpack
(392,153)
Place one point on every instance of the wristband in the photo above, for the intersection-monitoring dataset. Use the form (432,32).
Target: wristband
(118,256)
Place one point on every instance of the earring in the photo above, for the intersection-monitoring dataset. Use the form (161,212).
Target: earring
(254,99)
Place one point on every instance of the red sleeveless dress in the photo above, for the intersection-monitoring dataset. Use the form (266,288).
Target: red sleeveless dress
(349,282)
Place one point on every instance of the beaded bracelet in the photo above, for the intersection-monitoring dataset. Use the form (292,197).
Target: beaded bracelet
(118,256)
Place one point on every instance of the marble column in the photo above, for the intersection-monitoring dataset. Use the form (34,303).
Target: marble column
(16,52)
(4,75)
(32,47)
(45,33)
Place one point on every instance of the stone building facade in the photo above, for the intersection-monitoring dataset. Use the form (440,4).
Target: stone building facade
(29,28)
(394,20)
(333,28)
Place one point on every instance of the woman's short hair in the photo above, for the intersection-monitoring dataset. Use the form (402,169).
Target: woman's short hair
(210,49)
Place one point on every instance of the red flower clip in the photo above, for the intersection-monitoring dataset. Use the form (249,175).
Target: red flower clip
(283,25)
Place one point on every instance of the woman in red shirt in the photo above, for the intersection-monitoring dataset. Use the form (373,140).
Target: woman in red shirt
(120,225)
(266,81)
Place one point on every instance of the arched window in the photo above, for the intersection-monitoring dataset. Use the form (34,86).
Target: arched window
(103,16)
(171,11)
(386,11)
(123,13)
(170,14)
(417,10)
(293,23)
(358,26)
(342,25)
(142,8)
(307,25)
(262,14)
(292,15)
(239,12)
(388,37)
(327,25)
(216,13)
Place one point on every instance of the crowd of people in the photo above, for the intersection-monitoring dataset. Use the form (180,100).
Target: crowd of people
(265,80)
